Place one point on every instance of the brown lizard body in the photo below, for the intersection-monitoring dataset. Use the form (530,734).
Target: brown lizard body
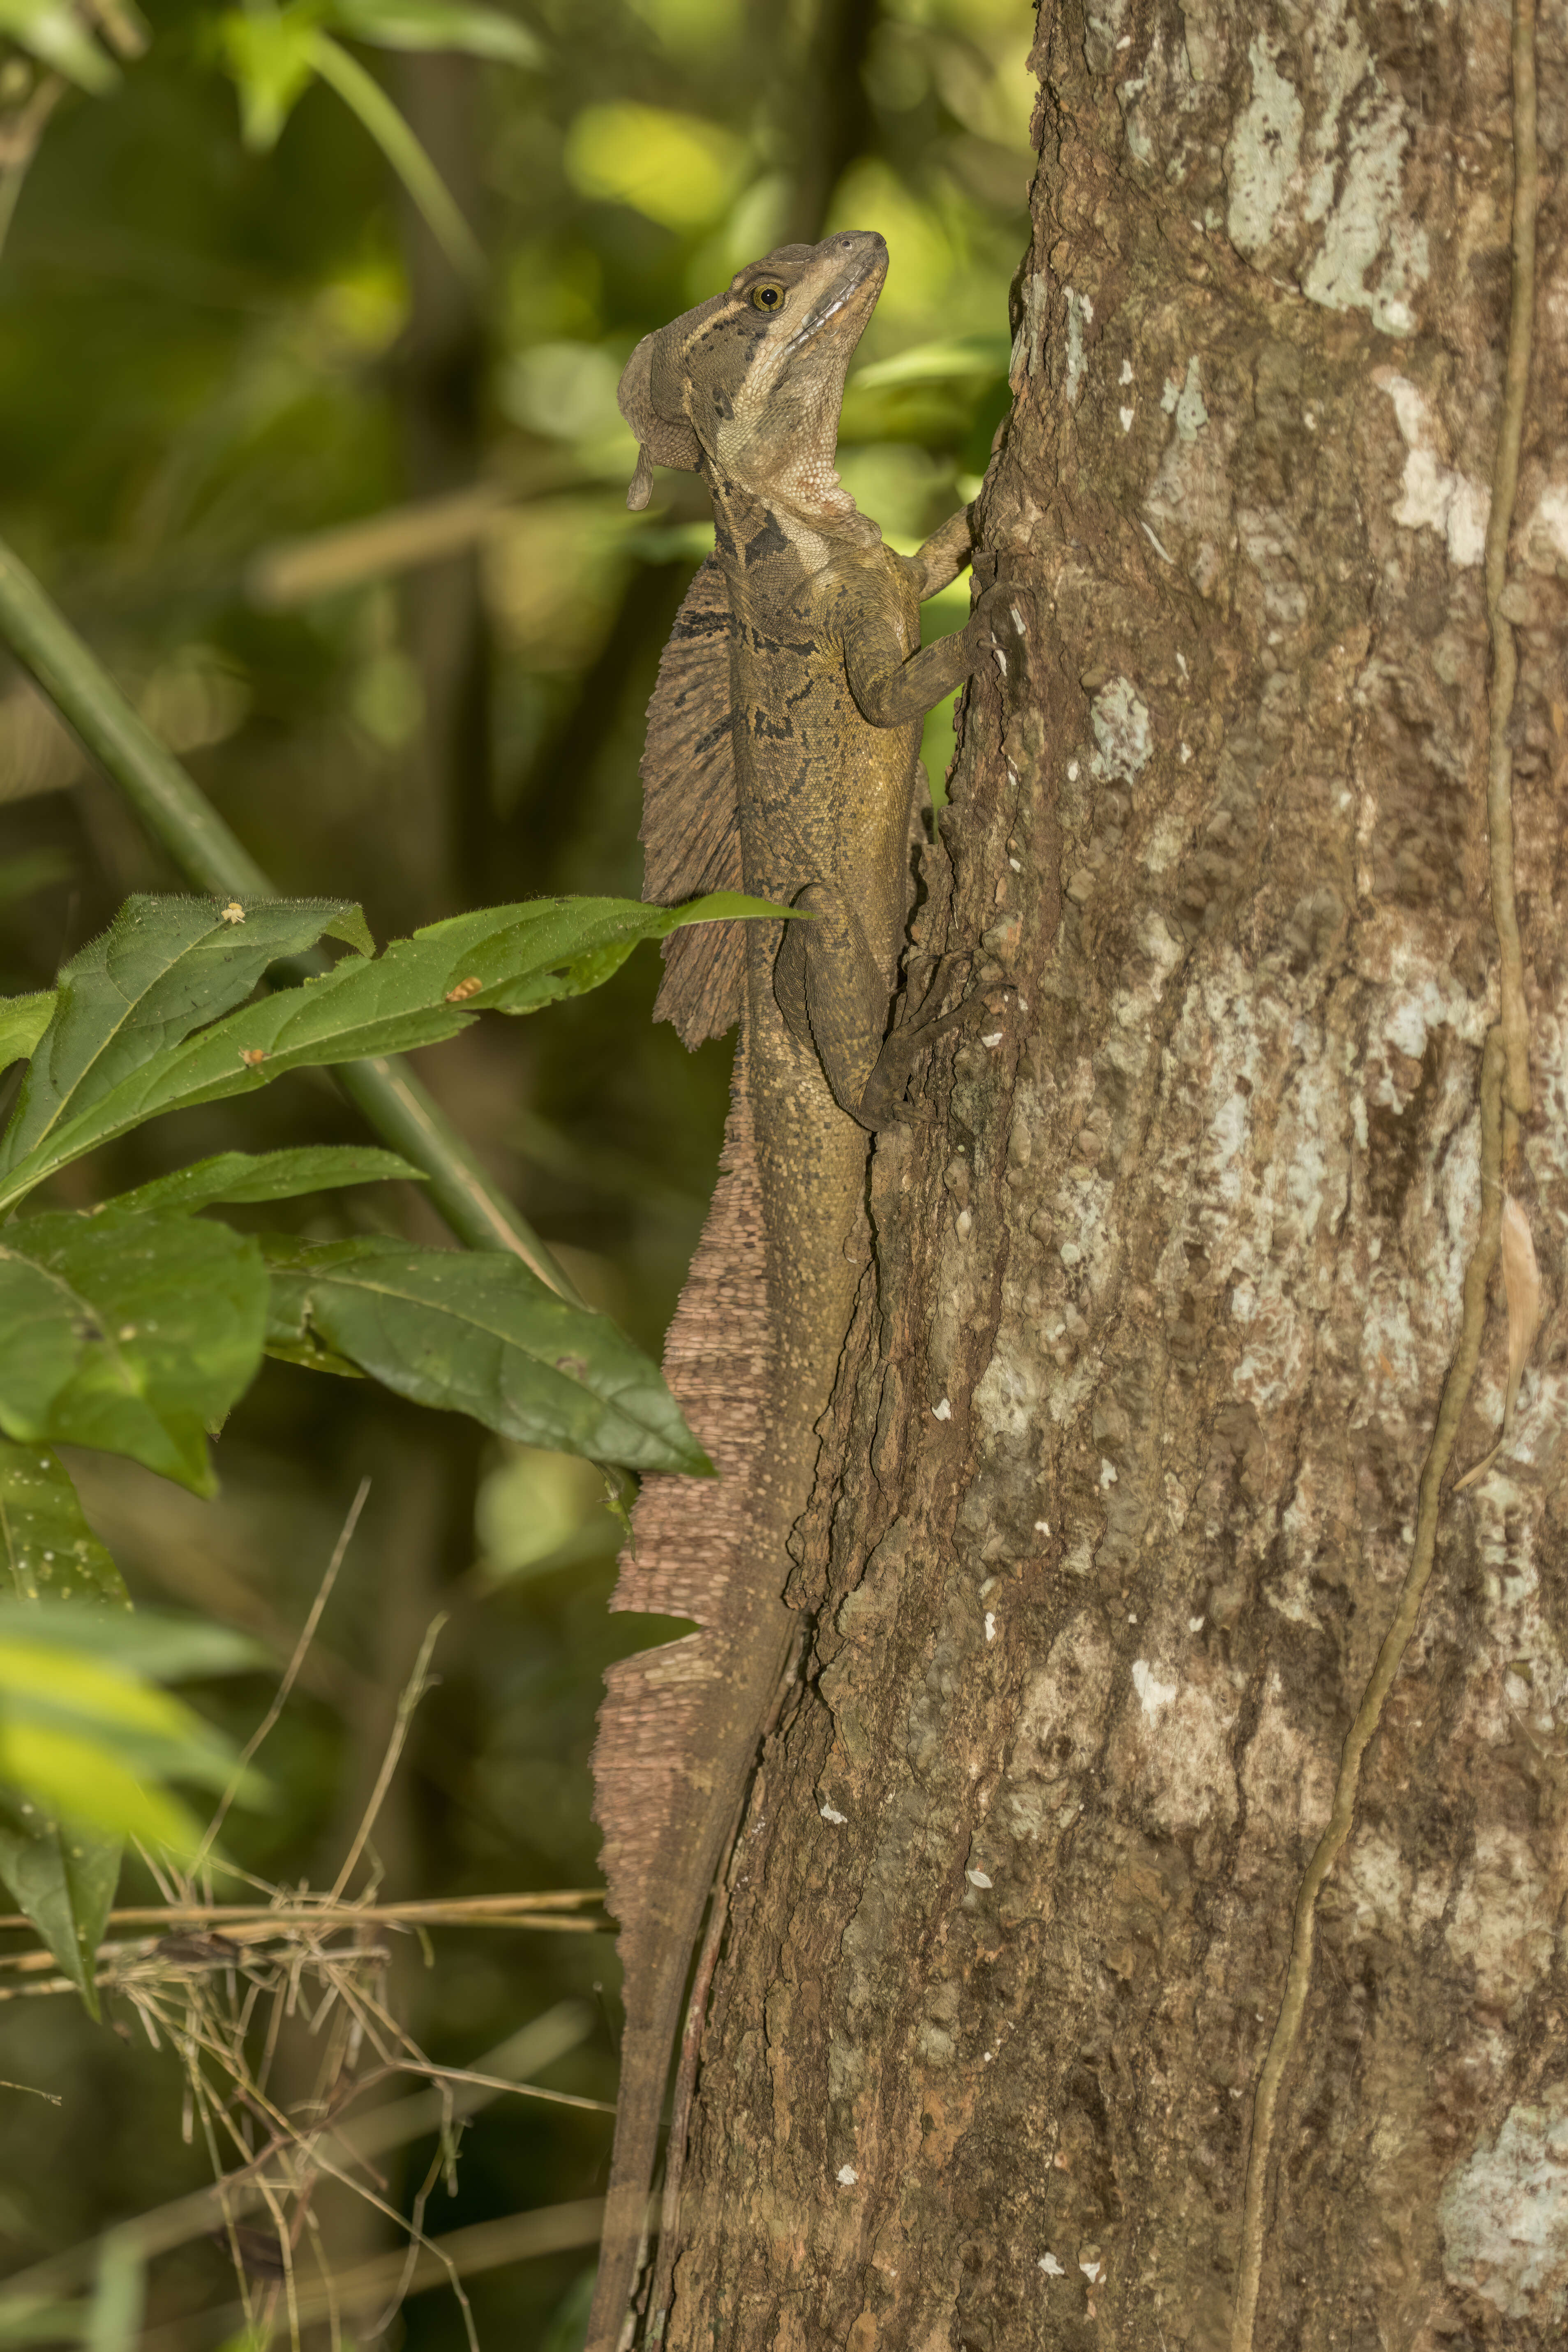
(782,755)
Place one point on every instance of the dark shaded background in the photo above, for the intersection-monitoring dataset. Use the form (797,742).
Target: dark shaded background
(212,364)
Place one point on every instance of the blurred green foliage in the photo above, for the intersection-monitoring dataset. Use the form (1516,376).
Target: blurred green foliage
(353,535)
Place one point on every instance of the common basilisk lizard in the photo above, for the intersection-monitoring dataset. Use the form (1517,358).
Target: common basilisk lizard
(781,754)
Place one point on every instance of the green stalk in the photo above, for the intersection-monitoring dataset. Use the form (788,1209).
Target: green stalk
(175,813)
(364,94)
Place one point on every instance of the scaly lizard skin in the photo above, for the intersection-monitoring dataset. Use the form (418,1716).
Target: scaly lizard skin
(783,752)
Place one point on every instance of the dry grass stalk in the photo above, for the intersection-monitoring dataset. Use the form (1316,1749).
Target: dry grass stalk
(215,1987)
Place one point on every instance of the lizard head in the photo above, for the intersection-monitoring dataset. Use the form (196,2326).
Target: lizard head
(748,386)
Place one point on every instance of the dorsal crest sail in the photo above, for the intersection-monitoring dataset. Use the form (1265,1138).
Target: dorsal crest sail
(690,829)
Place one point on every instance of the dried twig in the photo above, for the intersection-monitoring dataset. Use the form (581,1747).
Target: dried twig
(414,1691)
(290,1674)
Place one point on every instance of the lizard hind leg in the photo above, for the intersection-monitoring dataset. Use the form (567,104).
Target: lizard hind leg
(882,1101)
(832,993)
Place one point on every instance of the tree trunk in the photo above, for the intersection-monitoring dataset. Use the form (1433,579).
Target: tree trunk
(1136,1456)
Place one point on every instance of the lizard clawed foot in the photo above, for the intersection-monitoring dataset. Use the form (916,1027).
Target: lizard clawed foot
(882,1104)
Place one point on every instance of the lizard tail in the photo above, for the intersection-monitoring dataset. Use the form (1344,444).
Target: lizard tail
(680,1723)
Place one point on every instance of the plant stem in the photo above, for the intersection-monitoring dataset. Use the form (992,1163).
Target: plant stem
(176,814)
(361,91)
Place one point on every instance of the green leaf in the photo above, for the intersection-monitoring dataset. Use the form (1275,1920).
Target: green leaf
(164,966)
(23,1021)
(135,1334)
(513,959)
(437,25)
(568,2326)
(238,1176)
(64,1877)
(313,1353)
(89,1742)
(47,1551)
(481,1334)
(982,355)
(270,56)
(150,1642)
(92,1744)
(54,31)
(61,1703)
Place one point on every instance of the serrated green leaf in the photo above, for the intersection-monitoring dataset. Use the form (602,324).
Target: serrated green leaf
(270,56)
(238,1176)
(347,925)
(549,949)
(23,1021)
(62,1877)
(54,32)
(132,1334)
(481,1334)
(164,967)
(437,25)
(513,959)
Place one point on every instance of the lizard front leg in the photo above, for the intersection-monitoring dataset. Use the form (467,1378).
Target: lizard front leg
(889,688)
(940,559)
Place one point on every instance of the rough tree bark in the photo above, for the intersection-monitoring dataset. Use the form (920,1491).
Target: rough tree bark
(1137,1435)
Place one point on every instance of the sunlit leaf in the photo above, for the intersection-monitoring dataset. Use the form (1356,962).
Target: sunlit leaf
(89,1745)
(533,1504)
(81,1778)
(269,54)
(135,1334)
(23,1021)
(981,356)
(62,1877)
(164,966)
(240,1176)
(676,168)
(437,25)
(55,32)
(150,1642)
(481,1333)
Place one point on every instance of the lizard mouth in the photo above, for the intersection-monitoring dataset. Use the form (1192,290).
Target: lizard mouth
(873,264)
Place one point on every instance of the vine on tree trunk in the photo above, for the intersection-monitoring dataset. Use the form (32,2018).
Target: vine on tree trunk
(1505,1098)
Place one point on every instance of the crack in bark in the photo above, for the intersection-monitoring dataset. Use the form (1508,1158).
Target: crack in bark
(1505,1098)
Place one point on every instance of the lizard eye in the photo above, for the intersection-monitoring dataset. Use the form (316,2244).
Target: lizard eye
(767,295)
